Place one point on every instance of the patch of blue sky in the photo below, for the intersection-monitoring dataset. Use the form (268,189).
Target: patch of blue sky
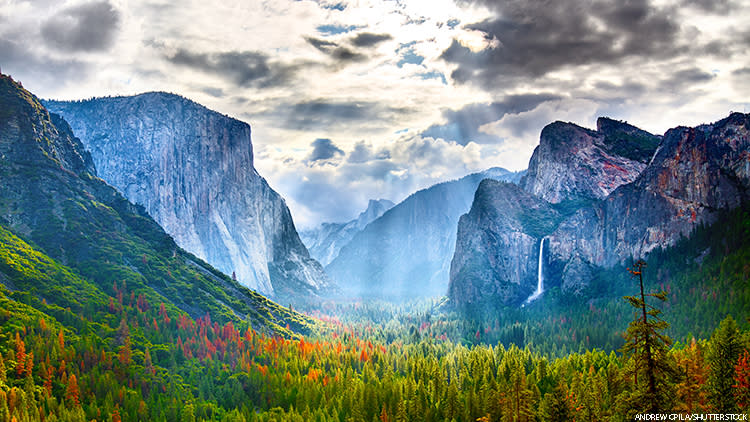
(410,57)
(434,75)
(330,29)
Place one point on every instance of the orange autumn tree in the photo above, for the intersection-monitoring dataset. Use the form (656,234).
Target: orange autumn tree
(20,356)
(72,392)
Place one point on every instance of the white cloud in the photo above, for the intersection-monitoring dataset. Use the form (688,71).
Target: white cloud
(392,171)
(383,155)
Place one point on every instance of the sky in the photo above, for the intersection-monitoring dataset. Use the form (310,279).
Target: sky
(357,100)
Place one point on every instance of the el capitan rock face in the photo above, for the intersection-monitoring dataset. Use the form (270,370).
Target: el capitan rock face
(192,169)
(50,196)
(573,163)
(694,173)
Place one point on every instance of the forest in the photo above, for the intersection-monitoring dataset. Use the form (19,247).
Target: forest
(124,358)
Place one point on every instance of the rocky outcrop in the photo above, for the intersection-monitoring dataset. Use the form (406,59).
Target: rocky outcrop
(574,163)
(497,246)
(406,252)
(633,202)
(325,241)
(192,170)
(695,173)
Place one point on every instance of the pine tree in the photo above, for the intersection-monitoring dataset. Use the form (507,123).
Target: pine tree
(187,414)
(555,405)
(518,403)
(723,352)
(652,371)
(4,411)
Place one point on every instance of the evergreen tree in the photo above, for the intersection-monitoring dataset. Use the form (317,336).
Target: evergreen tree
(555,406)
(652,368)
(723,352)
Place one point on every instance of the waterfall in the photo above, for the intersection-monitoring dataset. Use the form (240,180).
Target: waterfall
(539,276)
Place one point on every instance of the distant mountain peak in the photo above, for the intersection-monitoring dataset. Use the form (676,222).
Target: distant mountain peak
(375,208)
(325,241)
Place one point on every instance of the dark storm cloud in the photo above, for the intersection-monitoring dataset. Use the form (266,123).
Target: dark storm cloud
(685,79)
(535,37)
(334,50)
(368,39)
(322,45)
(324,113)
(17,58)
(719,7)
(244,68)
(463,125)
(324,149)
(213,91)
(87,27)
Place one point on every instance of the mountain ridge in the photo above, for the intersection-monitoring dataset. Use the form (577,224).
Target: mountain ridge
(52,203)
(406,252)
(325,241)
(690,175)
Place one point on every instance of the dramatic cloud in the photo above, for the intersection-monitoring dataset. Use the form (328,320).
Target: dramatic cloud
(244,68)
(410,92)
(325,113)
(38,69)
(324,149)
(463,125)
(721,7)
(339,192)
(87,27)
(686,79)
(368,39)
(339,53)
(364,152)
(535,37)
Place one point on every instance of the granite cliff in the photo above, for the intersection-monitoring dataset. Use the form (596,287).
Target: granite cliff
(73,227)
(617,192)
(695,173)
(192,170)
(497,245)
(573,163)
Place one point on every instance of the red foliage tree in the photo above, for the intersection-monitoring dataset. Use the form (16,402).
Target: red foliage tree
(72,393)
(742,381)
(20,356)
